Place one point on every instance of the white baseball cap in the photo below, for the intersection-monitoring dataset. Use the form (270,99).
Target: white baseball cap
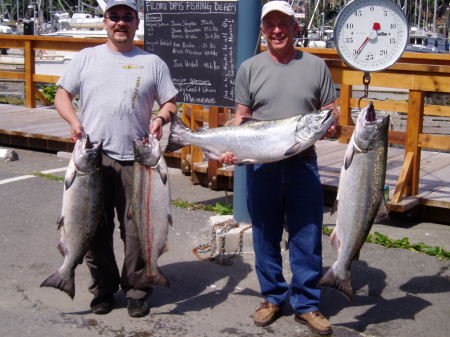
(128,3)
(279,6)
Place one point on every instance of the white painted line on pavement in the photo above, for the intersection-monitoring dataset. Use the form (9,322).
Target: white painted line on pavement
(10,180)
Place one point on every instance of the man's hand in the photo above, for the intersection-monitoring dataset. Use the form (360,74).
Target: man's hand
(156,128)
(76,130)
(332,131)
(227,158)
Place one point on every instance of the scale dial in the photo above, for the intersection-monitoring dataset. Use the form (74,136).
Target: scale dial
(371,35)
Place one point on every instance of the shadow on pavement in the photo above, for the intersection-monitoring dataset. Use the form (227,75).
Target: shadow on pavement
(382,310)
(191,279)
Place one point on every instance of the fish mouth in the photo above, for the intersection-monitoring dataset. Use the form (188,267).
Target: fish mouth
(88,146)
(87,143)
(371,116)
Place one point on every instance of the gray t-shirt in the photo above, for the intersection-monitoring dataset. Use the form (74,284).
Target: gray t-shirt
(117,92)
(273,90)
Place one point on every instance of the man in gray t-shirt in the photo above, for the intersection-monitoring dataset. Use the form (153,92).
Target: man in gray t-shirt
(278,83)
(118,84)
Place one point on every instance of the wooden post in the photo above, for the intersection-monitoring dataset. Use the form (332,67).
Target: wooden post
(413,130)
(403,178)
(28,54)
(345,115)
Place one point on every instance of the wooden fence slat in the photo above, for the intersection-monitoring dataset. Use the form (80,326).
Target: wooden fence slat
(403,178)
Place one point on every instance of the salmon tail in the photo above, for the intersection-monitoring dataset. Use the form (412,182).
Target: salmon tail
(177,129)
(56,281)
(330,279)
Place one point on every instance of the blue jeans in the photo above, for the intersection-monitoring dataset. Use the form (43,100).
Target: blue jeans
(287,193)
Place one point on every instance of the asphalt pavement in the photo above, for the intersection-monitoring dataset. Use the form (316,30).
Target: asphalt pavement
(398,292)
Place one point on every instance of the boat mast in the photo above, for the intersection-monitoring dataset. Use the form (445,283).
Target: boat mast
(434,16)
(420,15)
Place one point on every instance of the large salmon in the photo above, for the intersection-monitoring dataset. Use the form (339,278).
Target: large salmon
(151,204)
(82,211)
(360,195)
(254,141)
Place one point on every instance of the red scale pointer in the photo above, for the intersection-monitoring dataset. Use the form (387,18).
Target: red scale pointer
(375,28)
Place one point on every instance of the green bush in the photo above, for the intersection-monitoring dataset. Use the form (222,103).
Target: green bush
(49,92)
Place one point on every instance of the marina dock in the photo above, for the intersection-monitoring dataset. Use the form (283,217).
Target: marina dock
(43,129)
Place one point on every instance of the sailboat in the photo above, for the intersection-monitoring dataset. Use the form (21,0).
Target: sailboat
(83,25)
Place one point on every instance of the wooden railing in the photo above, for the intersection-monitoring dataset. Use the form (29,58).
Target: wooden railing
(418,73)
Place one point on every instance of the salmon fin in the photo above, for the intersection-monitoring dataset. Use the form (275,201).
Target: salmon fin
(349,157)
(60,222)
(163,175)
(331,280)
(129,212)
(247,161)
(293,150)
(163,249)
(163,169)
(177,128)
(335,207)
(335,242)
(169,219)
(382,214)
(161,280)
(61,248)
(210,155)
(55,281)
(69,178)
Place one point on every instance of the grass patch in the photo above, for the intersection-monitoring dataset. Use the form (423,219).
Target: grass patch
(420,247)
(48,176)
(387,242)
(12,100)
(218,207)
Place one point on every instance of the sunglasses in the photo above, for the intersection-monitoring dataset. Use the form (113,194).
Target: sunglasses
(117,18)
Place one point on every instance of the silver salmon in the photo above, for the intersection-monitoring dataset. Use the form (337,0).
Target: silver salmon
(360,195)
(151,204)
(254,141)
(82,211)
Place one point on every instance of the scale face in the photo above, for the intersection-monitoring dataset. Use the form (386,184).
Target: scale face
(371,35)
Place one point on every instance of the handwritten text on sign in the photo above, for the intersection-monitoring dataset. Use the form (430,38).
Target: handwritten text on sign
(197,41)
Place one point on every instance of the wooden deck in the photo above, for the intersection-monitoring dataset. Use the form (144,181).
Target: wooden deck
(42,128)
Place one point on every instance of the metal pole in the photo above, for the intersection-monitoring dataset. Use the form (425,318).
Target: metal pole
(434,16)
(249,12)
(419,19)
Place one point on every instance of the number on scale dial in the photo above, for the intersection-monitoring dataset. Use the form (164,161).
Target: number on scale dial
(371,35)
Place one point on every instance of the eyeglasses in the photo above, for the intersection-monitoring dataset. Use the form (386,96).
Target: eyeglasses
(117,18)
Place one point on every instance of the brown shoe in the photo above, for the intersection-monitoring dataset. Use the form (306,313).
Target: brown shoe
(266,314)
(315,321)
